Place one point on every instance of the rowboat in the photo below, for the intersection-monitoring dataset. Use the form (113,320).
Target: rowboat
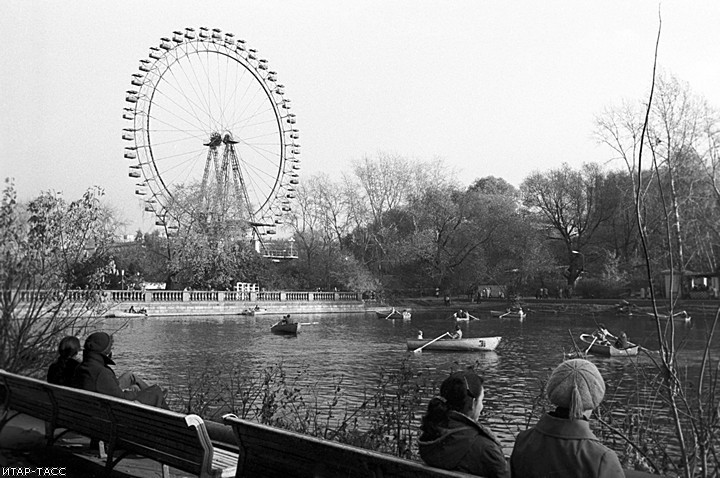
(608,349)
(121,314)
(254,311)
(681,316)
(626,308)
(465,316)
(394,314)
(478,344)
(287,328)
(509,314)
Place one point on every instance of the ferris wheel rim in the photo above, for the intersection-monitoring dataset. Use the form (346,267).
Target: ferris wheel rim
(145,146)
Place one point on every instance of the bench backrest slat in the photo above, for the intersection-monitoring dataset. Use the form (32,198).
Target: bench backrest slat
(83,413)
(273,452)
(28,397)
(173,439)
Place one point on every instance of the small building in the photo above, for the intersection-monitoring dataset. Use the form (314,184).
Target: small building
(246,287)
(691,285)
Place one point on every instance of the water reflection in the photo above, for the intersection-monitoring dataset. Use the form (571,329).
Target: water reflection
(355,347)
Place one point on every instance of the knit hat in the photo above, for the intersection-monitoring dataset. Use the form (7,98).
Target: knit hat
(576,385)
(99,342)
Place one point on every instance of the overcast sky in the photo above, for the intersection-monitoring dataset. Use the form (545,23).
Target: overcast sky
(497,88)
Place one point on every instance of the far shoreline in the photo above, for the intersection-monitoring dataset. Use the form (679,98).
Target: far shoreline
(550,306)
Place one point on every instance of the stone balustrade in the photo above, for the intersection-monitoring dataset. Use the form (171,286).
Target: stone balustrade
(159,295)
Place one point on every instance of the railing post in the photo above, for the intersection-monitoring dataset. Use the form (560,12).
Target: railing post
(336,296)
(221,296)
(253,296)
(283,296)
(186,296)
(311,296)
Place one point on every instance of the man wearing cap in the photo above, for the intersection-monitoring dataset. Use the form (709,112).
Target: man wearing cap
(561,443)
(95,375)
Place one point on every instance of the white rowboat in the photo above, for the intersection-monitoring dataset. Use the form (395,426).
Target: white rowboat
(478,344)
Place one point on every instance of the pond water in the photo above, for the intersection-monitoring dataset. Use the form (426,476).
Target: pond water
(171,350)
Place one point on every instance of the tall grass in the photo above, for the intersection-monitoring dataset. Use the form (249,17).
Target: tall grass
(384,417)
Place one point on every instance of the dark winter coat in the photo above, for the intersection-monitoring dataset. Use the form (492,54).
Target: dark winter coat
(562,448)
(465,446)
(61,371)
(95,375)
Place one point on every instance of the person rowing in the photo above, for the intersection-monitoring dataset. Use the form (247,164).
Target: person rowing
(457,335)
(603,335)
(622,341)
(461,314)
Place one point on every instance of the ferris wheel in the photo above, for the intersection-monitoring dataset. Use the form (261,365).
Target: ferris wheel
(210,133)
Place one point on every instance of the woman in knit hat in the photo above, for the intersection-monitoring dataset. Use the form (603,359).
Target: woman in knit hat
(452,438)
(561,443)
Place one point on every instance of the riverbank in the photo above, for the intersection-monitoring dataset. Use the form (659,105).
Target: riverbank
(552,306)
(162,303)
(531,306)
(188,309)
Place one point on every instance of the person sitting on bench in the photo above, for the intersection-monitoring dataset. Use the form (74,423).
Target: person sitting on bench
(95,375)
(452,436)
(61,371)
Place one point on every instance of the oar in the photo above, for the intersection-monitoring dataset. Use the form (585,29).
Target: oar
(309,323)
(593,343)
(472,317)
(503,315)
(418,350)
(577,349)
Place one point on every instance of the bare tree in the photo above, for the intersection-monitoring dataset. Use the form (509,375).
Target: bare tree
(694,407)
(674,130)
(681,135)
(380,185)
(383,183)
(572,203)
(47,249)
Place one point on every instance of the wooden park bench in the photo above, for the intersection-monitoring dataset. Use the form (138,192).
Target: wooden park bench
(126,427)
(272,452)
